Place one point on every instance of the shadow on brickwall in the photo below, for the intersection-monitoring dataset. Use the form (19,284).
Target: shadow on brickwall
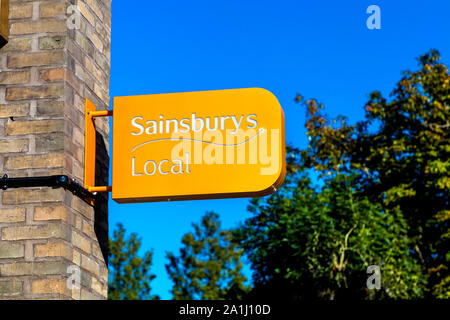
(101,199)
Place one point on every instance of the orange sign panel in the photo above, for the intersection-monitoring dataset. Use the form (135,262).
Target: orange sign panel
(197,145)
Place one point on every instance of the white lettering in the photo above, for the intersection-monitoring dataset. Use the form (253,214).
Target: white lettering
(194,123)
(236,124)
(154,167)
(178,165)
(186,126)
(253,121)
(153,125)
(133,168)
(137,125)
(159,167)
(222,122)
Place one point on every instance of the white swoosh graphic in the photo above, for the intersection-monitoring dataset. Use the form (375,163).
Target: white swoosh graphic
(195,140)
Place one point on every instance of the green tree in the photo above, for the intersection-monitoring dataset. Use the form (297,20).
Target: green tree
(310,242)
(400,154)
(129,274)
(209,265)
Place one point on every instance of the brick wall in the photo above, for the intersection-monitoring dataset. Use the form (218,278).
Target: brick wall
(46,72)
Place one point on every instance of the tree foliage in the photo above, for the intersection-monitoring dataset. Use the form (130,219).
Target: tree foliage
(400,154)
(383,200)
(129,274)
(209,265)
(307,242)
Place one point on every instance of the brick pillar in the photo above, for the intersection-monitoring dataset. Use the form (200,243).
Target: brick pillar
(46,72)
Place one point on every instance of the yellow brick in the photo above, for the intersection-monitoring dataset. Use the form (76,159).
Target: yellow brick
(12,215)
(35,232)
(51,213)
(11,287)
(20,110)
(83,208)
(50,108)
(96,251)
(88,229)
(97,10)
(34,127)
(76,293)
(93,70)
(14,77)
(78,171)
(10,146)
(17,45)
(51,75)
(84,43)
(77,222)
(76,258)
(35,161)
(36,59)
(27,195)
(50,43)
(21,11)
(31,27)
(104,274)
(101,93)
(53,142)
(90,265)
(33,268)
(48,286)
(96,286)
(86,295)
(86,13)
(52,249)
(95,40)
(9,249)
(105,291)
(79,153)
(81,242)
(40,92)
(52,10)
(78,136)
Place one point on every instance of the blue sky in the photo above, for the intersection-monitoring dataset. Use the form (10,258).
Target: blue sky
(321,49)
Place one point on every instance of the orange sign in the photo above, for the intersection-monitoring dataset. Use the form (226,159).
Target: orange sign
(197,145)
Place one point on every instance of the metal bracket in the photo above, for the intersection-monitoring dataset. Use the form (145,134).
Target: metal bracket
(90,147)
(59,181)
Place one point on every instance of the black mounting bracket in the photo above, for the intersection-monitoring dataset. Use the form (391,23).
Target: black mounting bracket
(60,181)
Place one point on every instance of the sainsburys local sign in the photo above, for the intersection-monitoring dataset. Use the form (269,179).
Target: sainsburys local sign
(197,145)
